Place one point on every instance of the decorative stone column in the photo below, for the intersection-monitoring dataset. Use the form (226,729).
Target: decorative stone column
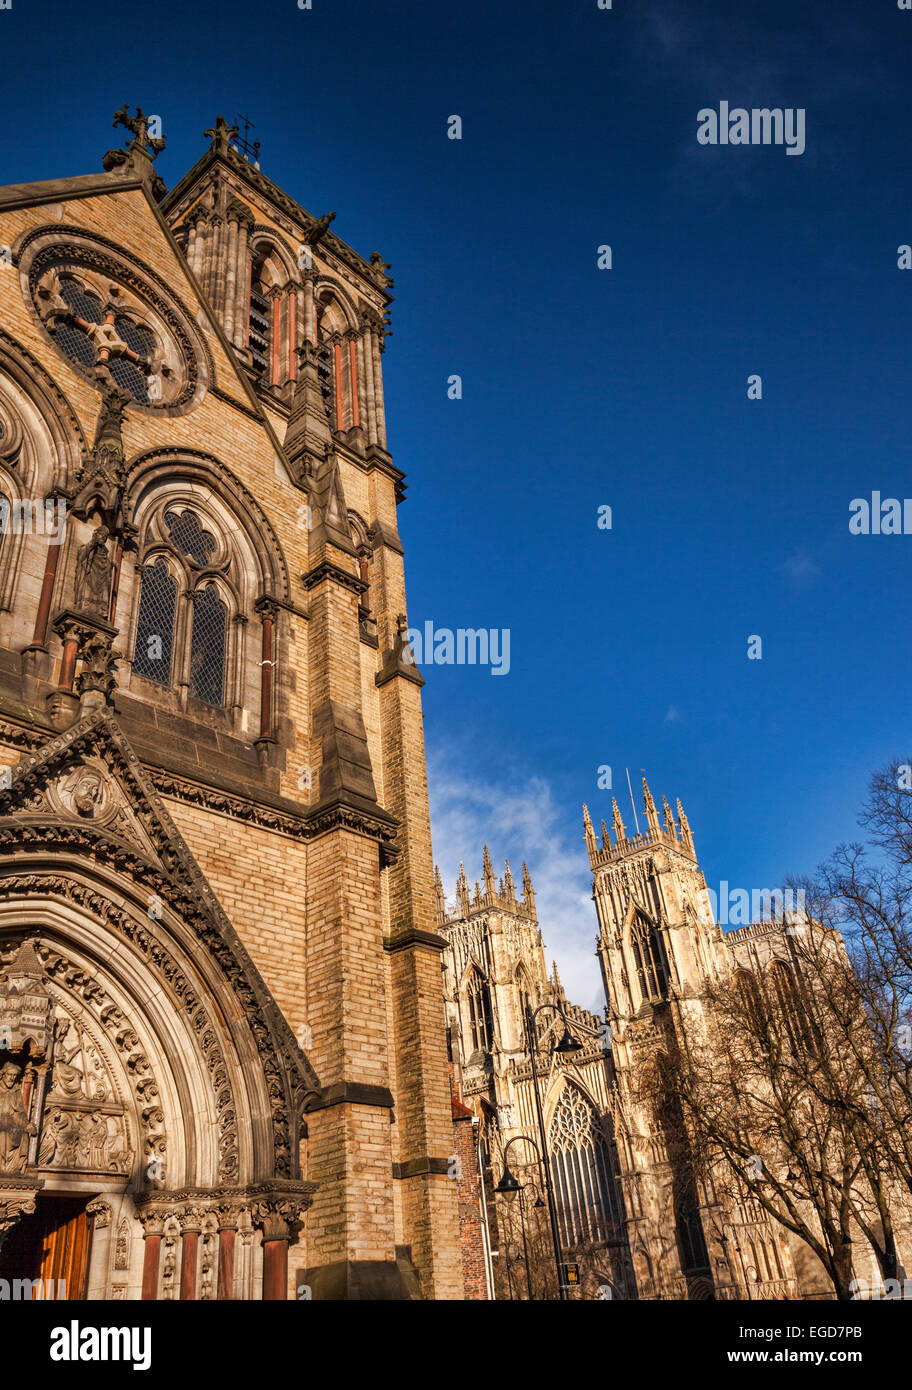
(279,1215)
(367,377)
(276,1220)
(216,278)
(245,227)
(274,345)
(376,349)
(89,638)
(350,341)
(310,311)
(197,224)
(153,1225)
(227,1227)
(190,1225)
(268,611)
(231,273)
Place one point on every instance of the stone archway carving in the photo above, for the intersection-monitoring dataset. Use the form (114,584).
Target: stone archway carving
(159,1067)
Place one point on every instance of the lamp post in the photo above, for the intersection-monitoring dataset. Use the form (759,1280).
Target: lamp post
(566,1045)
(508,1186)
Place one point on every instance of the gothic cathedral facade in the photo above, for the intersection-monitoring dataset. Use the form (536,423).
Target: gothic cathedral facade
(634,1216)
(221,1012)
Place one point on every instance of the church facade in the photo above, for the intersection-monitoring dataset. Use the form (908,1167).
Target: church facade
(221,1015)
(635,1218)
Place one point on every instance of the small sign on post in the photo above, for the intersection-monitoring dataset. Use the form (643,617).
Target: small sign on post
(571,1275)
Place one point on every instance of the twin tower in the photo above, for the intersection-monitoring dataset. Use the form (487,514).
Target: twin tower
(630,1206)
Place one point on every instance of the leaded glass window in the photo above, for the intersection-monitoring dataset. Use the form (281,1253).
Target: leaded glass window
(75,343)
(155,628)
(189,537)
(207,646)
(649,955)
(129,378)
(82,302)
(135,335)
(589,1206)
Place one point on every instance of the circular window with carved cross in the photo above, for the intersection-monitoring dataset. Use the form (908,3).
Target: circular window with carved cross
(114,324)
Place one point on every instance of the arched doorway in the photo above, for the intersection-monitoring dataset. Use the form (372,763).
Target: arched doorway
(46,1254)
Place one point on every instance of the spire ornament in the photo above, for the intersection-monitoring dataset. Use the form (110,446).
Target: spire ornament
(136,161)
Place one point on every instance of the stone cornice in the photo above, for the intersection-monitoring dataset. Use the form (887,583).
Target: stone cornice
(351,1093)
(327,570)
(303,824)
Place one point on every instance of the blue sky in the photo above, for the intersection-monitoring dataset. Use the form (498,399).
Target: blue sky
(583,387)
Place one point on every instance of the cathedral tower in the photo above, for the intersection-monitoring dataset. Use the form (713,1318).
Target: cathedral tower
(497,985)
(659,945)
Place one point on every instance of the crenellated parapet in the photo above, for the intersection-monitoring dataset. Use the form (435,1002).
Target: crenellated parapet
(665,833)
(489,894)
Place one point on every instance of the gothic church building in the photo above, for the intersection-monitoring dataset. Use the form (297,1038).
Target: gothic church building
(221,1015)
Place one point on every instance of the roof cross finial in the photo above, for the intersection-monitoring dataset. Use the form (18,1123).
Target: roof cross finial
(243,143)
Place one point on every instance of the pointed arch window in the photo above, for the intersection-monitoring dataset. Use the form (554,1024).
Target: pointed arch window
(751,1002)
(154,647)
(481,1023)
(260,326)
(208,644)
(155,628)
(525,995)
(799,1029)
(585,1168)
(650,959)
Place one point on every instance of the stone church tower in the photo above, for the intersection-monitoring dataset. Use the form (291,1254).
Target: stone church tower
(221,1016)
(657,944)
(496,978)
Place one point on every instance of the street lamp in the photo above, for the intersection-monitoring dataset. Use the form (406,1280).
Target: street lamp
(566,1046)
(508,1186)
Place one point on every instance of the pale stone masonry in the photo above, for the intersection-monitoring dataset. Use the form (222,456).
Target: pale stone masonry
(215,839)
(632,1211)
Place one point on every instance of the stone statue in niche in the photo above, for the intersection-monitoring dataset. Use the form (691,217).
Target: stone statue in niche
(93,575)
(15,1126)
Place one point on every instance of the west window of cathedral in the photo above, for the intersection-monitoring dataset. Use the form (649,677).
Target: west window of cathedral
(588,1203)
(798,1027)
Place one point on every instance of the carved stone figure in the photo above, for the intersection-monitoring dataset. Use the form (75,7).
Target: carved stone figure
(60,1141)
(95,1140)
(93,574)
(15,1126)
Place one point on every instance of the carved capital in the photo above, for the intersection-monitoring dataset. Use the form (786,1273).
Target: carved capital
(17,1199)
(101,1212)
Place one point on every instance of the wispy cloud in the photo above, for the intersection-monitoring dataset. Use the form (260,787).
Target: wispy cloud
(520,821)
(799,568)
(673,716)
